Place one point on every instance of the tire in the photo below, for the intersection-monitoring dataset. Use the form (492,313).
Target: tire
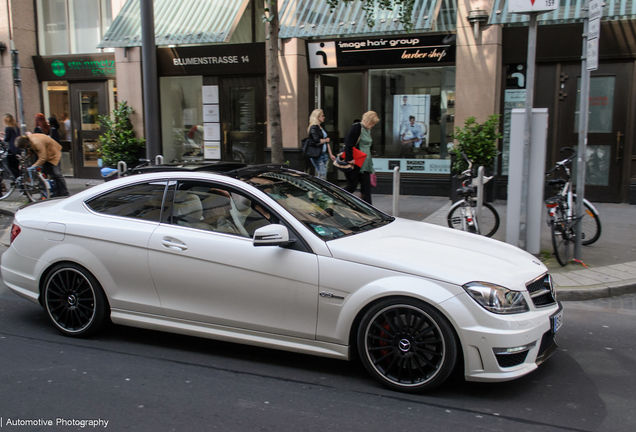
(407,345)
(74,301)
(36,189)
(488,224)
(8,184)
(562,239)
(590,225)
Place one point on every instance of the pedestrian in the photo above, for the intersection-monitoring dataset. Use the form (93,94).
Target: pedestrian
(319,136)
(48,154)
(55,127)
(359,135)
(11,132)
(41,126)
(66,126)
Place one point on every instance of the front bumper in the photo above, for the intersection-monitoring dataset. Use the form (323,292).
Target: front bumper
(502,347)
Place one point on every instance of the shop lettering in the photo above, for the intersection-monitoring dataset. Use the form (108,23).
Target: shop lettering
(98,68)
(599,101)
(421,55)
(207,60)
(415,165)
(378,43)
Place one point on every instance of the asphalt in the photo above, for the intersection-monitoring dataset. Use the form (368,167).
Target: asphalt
(608,266)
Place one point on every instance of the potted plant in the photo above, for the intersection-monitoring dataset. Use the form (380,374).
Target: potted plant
(118,142)
(478,141)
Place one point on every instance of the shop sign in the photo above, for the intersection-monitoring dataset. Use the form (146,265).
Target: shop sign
(526,6)
(406,50)
(84,67)
(212,60)
(418,166)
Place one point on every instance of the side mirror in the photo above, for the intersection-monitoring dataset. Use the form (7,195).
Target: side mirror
(272,235)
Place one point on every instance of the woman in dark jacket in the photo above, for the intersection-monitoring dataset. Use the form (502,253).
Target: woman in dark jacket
(319,136)
(55,127)
(359,135)
(11,132)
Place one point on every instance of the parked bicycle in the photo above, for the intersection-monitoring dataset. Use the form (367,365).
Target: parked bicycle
(33,184)
(463,214)
(562,213)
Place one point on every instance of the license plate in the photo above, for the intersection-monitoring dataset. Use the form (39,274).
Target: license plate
(556,321)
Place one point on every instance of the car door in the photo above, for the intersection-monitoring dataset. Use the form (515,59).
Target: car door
(206,268)
(116,233)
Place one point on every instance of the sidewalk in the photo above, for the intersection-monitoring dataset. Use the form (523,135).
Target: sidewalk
(611,260)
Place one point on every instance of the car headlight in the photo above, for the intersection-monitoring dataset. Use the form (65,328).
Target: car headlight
(497,299)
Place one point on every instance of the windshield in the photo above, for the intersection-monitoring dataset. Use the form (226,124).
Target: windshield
(329,212)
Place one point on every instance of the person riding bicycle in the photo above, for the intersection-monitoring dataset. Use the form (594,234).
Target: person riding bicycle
(49,153)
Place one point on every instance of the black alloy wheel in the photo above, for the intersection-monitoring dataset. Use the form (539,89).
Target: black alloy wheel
(407,345)
(74,301)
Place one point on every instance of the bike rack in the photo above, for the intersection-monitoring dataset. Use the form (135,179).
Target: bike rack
(158,160)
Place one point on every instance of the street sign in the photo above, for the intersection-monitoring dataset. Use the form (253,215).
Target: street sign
(594,28)
(592,54)
(527,6)
(596,9)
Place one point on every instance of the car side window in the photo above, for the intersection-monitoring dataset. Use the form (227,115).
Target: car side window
(139,201)
(212,207)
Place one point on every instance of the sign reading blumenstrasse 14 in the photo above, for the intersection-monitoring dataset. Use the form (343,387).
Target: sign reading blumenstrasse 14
(526,6)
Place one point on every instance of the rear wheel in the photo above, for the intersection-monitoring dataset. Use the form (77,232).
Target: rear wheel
(407,345)
(591,225)
(488,222)
(36,188)
(74,301)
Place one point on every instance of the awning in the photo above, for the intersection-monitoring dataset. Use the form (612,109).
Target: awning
(312,18)
(569,11)
(177,22)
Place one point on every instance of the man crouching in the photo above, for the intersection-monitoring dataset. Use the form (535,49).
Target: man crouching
(49,153)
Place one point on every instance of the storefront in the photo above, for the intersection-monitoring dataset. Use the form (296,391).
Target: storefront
(78,89)
(213,102)
(409,81)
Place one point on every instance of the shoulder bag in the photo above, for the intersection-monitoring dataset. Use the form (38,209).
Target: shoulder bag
(309,149)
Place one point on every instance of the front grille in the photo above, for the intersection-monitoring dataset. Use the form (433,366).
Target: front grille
(542,291)
(510,360)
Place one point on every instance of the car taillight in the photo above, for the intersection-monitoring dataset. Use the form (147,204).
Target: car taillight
(15,230)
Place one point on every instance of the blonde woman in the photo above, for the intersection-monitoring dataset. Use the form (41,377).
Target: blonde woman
(319,136)
(359,136)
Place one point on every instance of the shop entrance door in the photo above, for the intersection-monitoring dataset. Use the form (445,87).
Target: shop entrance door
(607,123)
(88,101)
(243,118)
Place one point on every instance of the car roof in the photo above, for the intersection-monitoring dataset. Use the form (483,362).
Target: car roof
(231,169)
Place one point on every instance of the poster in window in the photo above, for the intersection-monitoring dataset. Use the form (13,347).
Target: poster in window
(411,115)
(211,113)
(210,94)
(212,131)
(212,150)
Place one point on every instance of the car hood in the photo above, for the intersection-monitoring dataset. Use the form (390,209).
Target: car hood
(439,253)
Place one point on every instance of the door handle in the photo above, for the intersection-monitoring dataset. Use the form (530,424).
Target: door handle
(173,244)
(619,151)
(75,134)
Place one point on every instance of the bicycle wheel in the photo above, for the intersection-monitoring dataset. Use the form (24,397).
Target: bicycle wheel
(36,188)
(460,211)
(460,217)
(562,239)
(590,225)
(7,184)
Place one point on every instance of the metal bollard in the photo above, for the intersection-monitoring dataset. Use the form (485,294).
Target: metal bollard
(122,167)
(396,191)
(158,160)
(480,195)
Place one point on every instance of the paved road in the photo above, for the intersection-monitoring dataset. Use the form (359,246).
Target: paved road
(149,381)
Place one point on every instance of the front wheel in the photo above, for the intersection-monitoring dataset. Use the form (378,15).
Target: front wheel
(7,184)
(407,345)
(562,239)
(74,301)
(590,224)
